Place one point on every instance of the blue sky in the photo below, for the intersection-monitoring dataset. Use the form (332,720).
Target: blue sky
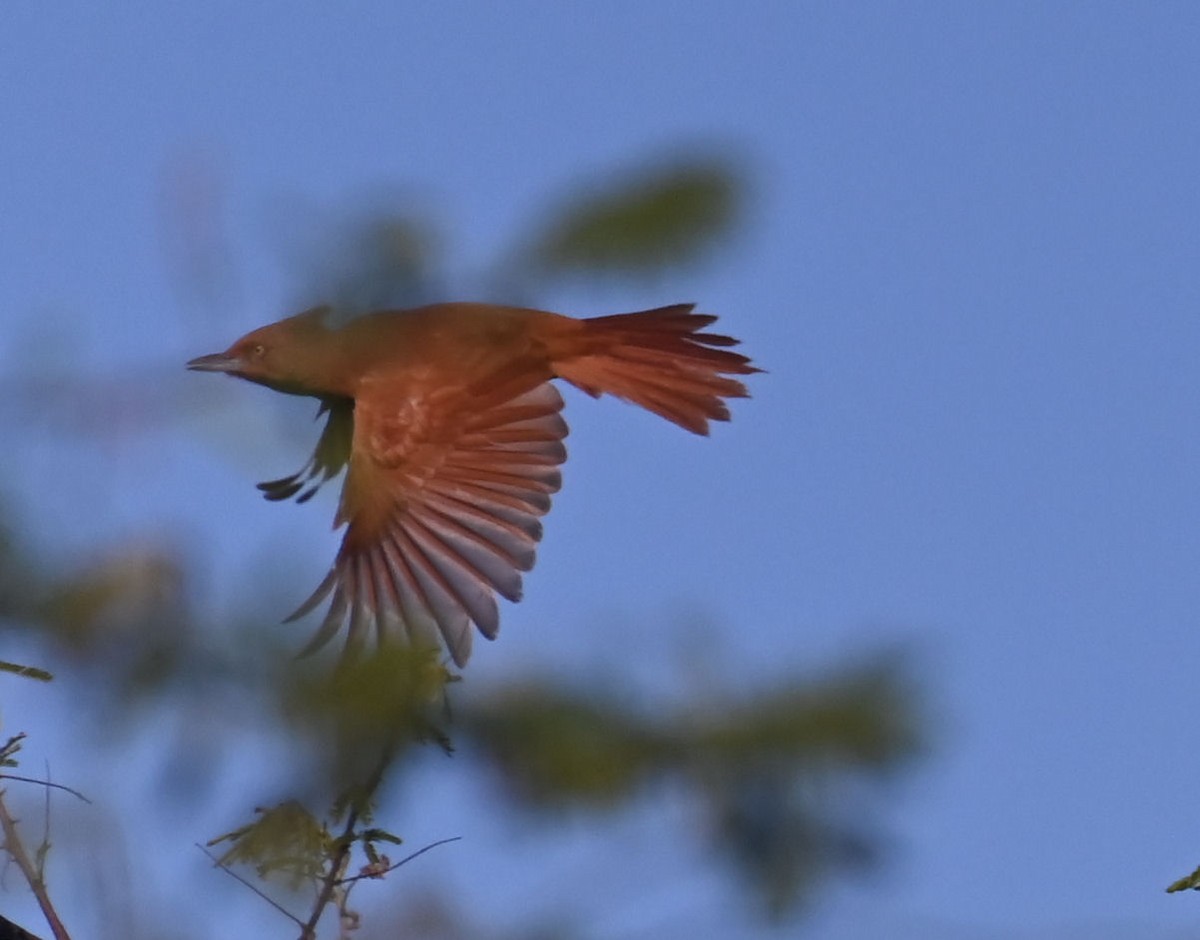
(969,265)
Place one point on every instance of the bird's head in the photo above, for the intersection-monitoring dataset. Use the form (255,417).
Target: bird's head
(291,356)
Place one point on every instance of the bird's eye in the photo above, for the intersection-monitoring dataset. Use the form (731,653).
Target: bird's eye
(257,350)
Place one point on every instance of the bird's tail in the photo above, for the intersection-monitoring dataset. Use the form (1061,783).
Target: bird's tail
(659,359)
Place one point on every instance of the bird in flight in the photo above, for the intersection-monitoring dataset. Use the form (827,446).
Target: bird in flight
(449,425)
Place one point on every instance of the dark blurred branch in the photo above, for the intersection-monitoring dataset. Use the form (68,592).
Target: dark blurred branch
(10,931)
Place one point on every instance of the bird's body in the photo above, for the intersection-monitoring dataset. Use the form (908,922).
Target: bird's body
(451,430)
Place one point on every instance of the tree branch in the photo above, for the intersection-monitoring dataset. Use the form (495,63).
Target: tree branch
(329,883)
(403,861)
(345,842)
(11,931)
(16,849)
(46,783)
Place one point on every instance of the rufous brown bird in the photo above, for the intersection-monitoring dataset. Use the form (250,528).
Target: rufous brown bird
(451,429)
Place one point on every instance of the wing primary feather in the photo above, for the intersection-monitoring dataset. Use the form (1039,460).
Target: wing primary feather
(452,620)
(519,556)
(518,512)
(482,472)
(466,482)
(361,611)
(417,617)
(462,580)
(315,598)
(286,486)
(330,625)
(332,450)
(510,459)
(387,607)
(278,490)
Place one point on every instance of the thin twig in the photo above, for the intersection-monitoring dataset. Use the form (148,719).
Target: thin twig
(403,861)
(44,848)
(46,783)
(14,847)
(262,894)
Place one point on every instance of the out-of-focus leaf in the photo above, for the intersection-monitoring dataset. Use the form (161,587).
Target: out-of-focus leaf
(1186,883)
(783,777)
(642,224)
(368,711)
(861,718)
(194,226)
(19,580)
(127,595)
(124,619)
(442,915)
(557,747)
(29,672)
(387,264)
(373,260)
(780,771)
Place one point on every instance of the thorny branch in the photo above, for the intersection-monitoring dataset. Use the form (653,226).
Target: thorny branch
(37,884)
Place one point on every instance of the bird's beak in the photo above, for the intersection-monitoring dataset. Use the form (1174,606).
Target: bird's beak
(217,362)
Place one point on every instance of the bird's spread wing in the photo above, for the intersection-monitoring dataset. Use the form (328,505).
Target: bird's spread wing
(331,454)
(442,501)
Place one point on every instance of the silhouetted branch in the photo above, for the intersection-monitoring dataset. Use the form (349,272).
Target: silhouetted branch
(11,931)
(46,783)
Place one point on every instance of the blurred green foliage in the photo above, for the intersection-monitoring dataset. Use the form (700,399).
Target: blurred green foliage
(381,705)
(373,260)
(642,223)
(788,775)
(766,766)
(29,672)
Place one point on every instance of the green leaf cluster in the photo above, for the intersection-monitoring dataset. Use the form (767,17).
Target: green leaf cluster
(641,224)
(779,770)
